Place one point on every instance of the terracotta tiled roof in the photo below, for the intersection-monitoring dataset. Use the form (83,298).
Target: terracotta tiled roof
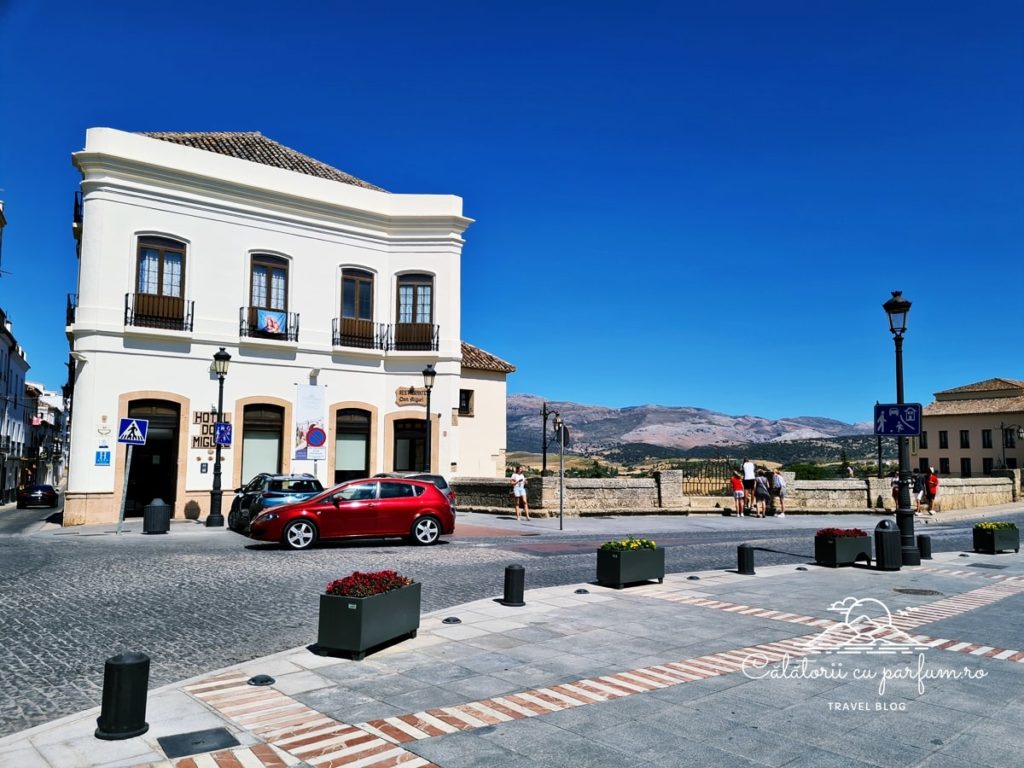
(257,148)
(474,357)
(993,405)
(988,385)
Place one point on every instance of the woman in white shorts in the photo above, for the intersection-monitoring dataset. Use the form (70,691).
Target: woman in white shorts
(519,491)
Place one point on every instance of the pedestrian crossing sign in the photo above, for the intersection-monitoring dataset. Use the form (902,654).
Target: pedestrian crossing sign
(133,431)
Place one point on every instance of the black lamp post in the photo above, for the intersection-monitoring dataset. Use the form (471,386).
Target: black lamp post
(897,308)
(1005,437)
(220,366)
(428,384)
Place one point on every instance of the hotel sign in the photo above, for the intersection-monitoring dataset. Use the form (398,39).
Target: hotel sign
(207,423)
(411,396)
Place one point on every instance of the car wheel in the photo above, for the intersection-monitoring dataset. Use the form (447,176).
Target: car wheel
(426,530)
(300,534)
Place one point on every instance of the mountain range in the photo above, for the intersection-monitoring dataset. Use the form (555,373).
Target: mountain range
(598,428)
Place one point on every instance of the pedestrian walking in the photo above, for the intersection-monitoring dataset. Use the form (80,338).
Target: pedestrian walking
(932,489)
(918,490)
(519,492)
(738,494)
(894,484)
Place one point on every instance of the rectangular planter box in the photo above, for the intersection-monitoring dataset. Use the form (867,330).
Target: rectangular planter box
(992,542)
(616,568)
(836,551)
(354,624)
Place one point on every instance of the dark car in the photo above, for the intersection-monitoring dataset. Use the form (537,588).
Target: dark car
(37,495)
(437,480)
(371,508)
(269,490)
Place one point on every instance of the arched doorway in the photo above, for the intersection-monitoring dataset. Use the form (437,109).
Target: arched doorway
(410,445)
(262,440)
(154,471)
(351,444)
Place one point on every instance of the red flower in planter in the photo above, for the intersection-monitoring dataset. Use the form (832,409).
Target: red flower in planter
(840,532)
(367,584)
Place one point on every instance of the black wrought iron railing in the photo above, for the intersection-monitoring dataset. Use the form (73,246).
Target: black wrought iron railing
(257,322)
(363,334)
(149,310)
(72,306)
(76,210)
(414,337)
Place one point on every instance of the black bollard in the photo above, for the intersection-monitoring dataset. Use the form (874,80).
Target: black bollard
(745,559)
(924,546)
(515,580)
(123,712)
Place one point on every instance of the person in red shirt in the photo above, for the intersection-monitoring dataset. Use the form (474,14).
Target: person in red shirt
(738,493)
(933,490)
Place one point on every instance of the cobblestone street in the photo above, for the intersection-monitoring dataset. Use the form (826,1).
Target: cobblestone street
(198,600)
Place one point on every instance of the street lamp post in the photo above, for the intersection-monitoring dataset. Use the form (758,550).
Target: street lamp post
(560,431)
(897,309)
(220,366)
(1003,429)
(428,384)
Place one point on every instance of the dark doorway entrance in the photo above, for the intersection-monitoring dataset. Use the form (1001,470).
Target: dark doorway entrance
(154,472)
(410,445)
(351,445)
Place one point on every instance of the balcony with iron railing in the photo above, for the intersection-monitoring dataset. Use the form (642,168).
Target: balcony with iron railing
(76,215)
(260,323)
(72,306)
(361,334)
(414,337)
(149,310)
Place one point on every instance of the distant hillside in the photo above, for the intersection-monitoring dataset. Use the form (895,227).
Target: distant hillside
(665,431)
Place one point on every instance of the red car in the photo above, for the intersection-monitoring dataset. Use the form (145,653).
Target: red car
(373,508)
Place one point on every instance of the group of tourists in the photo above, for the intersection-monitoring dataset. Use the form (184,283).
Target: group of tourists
(758,491)
(925,490)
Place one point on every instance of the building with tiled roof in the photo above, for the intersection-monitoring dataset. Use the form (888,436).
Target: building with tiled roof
(330,295)
(973,429)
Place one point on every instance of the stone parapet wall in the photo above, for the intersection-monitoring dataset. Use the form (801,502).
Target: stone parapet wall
(663,495)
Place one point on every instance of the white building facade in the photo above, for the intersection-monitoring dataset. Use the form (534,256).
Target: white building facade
(331,296)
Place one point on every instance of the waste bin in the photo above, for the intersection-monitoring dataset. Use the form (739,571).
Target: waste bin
(156,517)
(888,553)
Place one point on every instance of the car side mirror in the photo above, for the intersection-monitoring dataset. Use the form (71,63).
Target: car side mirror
(334,501)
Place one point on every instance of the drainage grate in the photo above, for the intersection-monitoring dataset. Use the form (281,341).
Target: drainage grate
(993,566)
(911,591)
(184,744)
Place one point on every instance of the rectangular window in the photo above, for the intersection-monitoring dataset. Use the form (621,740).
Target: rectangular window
(986,466)
(465,402)
(943,466)
(415,299)
(923,465)
(1011,462)
(924,439)
(943,439)
(269,283)
(965,438)
(965,467)
(1009,438)
(986,438)
(357,295)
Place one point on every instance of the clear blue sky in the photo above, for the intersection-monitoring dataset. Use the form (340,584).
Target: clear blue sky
(676,203)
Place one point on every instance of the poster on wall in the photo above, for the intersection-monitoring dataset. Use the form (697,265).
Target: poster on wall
(310,421)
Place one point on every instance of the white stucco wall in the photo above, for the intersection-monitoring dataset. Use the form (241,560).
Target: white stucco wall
(224,210)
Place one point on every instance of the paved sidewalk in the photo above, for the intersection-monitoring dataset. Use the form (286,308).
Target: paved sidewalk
(796,666)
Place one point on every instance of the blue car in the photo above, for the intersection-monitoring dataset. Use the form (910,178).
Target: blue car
(267,490)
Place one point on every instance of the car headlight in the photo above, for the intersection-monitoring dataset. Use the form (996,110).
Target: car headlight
(267,517)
